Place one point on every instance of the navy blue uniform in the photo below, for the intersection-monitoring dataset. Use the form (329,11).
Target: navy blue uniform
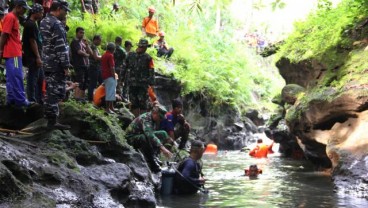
(55,56)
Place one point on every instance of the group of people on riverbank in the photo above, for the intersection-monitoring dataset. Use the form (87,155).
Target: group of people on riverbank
(45,51)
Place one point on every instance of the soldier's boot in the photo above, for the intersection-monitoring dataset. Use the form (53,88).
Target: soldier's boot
(158,161)
(52,124)
(153,164)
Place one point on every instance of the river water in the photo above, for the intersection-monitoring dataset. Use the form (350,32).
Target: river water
(284,183)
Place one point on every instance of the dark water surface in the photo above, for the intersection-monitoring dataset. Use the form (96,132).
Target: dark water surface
(284,183)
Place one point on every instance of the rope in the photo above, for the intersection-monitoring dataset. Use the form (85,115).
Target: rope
(201,188)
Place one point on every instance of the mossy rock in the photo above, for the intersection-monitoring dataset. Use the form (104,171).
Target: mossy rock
(275,117)
(11,188)
(90,123)
(278,100)
(291,92)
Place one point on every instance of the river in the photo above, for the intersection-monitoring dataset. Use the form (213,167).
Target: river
(284,183)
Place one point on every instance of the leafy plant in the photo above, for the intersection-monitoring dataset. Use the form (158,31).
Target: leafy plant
(205,60)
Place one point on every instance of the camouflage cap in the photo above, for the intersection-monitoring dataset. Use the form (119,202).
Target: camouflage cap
(143,43)
(36,8)
(161,110)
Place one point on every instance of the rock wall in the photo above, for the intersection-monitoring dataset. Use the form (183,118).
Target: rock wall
(89,166)
(223,125)
(329,122)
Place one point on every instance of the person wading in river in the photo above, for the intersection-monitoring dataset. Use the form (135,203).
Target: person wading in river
(189,178)
(261,150)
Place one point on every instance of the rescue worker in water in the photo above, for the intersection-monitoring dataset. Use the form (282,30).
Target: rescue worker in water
(261,150)
(253,171)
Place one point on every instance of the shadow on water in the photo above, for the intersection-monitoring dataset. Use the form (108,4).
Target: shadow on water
(284,183)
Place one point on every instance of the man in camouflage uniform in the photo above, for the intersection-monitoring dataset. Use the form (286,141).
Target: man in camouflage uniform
(141,75)
(143,134)
(119,57)
(55,57)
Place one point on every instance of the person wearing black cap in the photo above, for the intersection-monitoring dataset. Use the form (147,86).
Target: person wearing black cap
(143,134)
(128,46)
(189,178)
(32,47)
(55,57)
(141,75)
(125,94)
(120,57)
(11,50)
(175,124)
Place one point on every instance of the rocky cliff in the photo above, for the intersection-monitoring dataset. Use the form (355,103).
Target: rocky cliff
(91,165)
(326,110)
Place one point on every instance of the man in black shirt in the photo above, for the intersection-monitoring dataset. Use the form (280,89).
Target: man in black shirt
(80,52)
(32,47)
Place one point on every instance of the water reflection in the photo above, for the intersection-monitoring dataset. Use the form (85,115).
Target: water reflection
(284,183)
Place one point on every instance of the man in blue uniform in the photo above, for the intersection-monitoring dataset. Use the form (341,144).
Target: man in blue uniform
(55,55)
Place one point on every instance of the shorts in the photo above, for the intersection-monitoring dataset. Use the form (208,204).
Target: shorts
(110,89)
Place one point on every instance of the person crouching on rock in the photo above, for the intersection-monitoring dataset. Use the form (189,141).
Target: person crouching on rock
(175,124)
(143,135)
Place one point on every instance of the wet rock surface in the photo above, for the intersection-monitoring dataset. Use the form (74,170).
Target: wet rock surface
(89,166)
(329,123)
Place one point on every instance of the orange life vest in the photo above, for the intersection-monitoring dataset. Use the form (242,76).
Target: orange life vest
(99,94)
(211,149)
(260,151)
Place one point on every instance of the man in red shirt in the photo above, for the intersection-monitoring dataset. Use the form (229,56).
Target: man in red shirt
(108,75)
(11,50)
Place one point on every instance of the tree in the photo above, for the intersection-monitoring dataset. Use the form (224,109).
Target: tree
(278,4)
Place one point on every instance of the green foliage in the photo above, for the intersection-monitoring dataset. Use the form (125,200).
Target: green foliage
(205,61)
(324,35)
(278,4)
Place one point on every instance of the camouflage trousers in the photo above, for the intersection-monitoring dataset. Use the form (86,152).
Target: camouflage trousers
(55,92)
(145,145)
(140,140)
(138,96)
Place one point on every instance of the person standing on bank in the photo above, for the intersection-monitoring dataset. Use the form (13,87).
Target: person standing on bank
(141,75)
(150,24)
(32,48)
(55,55)
(108,75)
(94,71)
(80,52)
(119,57)
(11,50)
